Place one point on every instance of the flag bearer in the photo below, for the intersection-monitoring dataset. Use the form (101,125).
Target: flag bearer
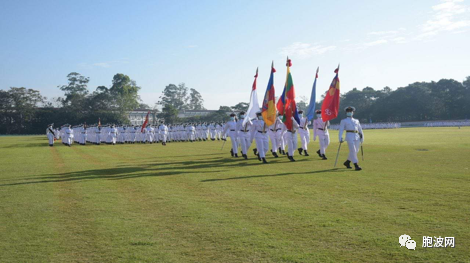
(320,129)
(354,137)
(304,133)
(291,139)
(260,135)
(244,135)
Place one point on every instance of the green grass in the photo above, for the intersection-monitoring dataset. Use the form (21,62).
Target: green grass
(191,202)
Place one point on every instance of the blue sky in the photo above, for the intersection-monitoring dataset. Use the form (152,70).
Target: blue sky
(215,46)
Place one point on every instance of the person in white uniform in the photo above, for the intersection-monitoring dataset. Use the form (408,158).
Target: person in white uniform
(231,130)
(320,129)
(259,133)
(304,133)
(244,134)
(163,130)
(50,134)
(354,137)
(291,139)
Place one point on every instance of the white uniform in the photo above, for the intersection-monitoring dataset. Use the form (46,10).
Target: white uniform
(260,135)
(291,137)
(320,129)
(244,135)
(50,135)
(281,143)
(231,129)
(304,133)
(354,136)
(163,132)
(68,136)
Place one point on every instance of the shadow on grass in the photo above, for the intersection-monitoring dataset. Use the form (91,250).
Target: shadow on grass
(272,175)
(154,169)
(132,172)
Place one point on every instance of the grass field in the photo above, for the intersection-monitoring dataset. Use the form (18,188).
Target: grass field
(191,202)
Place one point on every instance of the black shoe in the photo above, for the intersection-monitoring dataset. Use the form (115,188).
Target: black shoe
(275,155)
(259,158)
(357,167)
(348,164)
(306,153)
(280,150)
(300,150)
(264,160)
(324,157)
(245,156)
(231,152)
(255,151)
(283,152)
(236,155)
(319,154)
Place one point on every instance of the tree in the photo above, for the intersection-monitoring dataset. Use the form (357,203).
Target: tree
(125,93)
(77,86)
(18,109)
(225,108)
(242,106)
(302,104)
(196,102)
(177,96)
(169,114)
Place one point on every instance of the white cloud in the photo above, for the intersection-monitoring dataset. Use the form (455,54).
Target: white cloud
(304,50)
(192,46)
(375,43)
(449,15)
(399,40)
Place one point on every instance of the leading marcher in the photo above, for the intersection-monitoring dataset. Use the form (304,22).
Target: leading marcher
(50,134)
(354,137)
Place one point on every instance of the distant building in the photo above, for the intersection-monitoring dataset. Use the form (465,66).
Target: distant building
(195,113)
(137,116)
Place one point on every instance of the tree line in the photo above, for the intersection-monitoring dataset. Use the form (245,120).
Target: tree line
(26,111)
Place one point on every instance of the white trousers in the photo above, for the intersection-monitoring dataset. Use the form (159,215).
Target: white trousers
(324,141)
(291,139)
(304,138)
(50,137)
(233,139)
(262,144)
(245,143)
(274,141)
(354,147)
(281,143)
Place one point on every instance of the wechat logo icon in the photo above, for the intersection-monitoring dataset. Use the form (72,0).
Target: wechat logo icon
(405,241)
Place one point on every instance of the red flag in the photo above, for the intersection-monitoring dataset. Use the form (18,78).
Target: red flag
(145,122)
(330,105)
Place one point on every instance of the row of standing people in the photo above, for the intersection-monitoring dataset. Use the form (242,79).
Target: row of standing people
(111,134)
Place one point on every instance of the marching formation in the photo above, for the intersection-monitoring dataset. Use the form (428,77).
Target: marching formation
(112,134)
(279,123)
